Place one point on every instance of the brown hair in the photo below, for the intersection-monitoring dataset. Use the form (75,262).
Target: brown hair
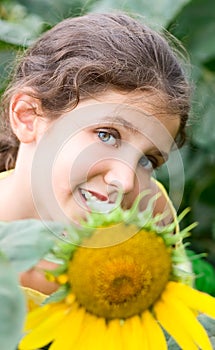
(86,55)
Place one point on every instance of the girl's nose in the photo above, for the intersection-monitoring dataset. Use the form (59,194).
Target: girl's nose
(120,175)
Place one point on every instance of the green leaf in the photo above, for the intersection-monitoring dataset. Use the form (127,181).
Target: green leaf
(160,12)
(203,128)
(7,57)
(172,345)
(25,242)
(213,230)
(209,325)
(195,25)
(205,274)
(53,11)
(23,33)
(12,307)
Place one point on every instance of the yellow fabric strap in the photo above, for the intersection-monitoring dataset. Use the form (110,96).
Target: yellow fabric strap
(33,298)
(169,202)
(5,174)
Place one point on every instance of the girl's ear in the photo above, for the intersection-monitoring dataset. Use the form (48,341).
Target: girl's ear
(25,112)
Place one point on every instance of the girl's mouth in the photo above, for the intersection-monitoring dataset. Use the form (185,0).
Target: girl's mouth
(96,201)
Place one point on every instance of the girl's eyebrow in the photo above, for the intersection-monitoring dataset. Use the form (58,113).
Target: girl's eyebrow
(127,125)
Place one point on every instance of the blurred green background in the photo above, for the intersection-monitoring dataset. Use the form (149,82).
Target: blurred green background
(193,23)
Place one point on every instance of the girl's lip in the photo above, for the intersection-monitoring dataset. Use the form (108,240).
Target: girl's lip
(99,196)
(96,202)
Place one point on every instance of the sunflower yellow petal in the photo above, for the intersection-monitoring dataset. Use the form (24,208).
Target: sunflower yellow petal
(168,319)
(193,298)
(44,333)
(187,319)
(88,339)
(36,316)
(114,336)
(101,334)
(133,334)
(154,333)
(69,331)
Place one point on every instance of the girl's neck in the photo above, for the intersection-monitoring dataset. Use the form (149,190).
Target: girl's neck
(16,200)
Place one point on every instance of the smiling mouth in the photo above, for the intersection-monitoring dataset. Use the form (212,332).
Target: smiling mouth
(97,202)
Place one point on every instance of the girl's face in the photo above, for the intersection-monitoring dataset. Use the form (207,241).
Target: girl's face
(104,147)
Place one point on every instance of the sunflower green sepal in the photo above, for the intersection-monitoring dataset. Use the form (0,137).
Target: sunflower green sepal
(63,251)
(98,219)
(59,295)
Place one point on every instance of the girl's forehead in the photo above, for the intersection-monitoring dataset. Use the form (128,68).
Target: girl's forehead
(135,123)
(135,111)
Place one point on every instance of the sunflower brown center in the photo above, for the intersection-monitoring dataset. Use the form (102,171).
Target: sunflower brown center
(122,280)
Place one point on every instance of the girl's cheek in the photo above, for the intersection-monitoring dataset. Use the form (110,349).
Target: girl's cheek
(143,183)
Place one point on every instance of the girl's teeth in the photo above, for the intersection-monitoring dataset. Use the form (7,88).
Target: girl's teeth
(95,204)
(86,194)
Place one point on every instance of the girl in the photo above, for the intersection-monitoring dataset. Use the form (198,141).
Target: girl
(94,106)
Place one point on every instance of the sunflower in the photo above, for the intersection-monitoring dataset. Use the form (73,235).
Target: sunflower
(121,288)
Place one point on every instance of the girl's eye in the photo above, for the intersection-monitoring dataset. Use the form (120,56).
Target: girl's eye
(110,137)
(146,163)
